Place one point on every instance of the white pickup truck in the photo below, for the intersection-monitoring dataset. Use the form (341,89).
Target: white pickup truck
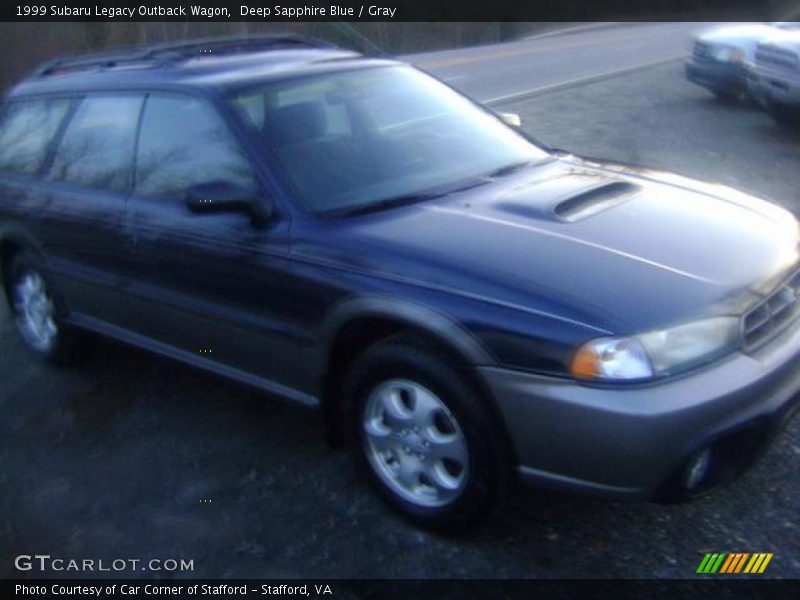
(774,79)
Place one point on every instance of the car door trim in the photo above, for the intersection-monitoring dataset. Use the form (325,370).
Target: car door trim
(152,345)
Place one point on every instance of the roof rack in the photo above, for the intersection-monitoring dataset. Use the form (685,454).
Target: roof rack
(172,52)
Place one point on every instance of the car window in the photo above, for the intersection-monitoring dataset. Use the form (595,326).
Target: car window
(347,140)
(259,105)
(97,147)
(26,131)
(184,141)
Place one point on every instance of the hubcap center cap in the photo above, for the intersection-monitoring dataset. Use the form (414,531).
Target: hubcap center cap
(417,443)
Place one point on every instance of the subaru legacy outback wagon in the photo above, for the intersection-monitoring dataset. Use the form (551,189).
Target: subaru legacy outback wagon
(464,304)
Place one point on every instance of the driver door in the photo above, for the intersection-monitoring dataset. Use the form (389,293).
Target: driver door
(209,287)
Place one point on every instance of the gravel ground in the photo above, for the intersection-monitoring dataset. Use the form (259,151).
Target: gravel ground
(132,456)
(654,117)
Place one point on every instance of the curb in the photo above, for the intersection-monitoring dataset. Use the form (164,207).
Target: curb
(573,29)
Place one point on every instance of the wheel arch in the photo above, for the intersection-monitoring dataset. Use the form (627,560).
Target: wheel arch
(357,324)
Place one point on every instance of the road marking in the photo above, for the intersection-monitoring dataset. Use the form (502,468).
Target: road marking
(528,49)
(553,87)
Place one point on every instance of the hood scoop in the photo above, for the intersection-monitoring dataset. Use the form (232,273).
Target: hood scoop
(565,198)
(594,200)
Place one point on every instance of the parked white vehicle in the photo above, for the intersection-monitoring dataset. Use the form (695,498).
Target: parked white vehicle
(774,79)
(722,57)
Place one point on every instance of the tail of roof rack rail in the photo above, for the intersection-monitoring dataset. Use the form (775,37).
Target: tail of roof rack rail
(171,52)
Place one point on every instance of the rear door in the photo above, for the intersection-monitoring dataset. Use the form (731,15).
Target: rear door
(83,199)
(76,205)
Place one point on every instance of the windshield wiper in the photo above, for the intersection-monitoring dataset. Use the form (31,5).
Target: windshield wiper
(379,205)
(407,199)
(508,169)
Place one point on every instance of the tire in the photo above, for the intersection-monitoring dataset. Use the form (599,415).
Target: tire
(39,313)
(425,437)
(727,95)
(784,115)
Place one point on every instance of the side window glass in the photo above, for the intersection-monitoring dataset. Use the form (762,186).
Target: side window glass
(183,142)
(97,147)
(26,131)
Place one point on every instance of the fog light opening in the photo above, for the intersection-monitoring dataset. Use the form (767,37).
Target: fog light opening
(697,469)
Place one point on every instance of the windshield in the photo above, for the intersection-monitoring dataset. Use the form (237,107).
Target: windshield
(351,139)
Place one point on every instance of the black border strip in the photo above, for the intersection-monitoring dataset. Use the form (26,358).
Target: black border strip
(717,587)
(397,10)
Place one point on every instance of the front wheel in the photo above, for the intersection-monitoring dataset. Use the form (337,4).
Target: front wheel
(726,94)
(426,437)
(414,443)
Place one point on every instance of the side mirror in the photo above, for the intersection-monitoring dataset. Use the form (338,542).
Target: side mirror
(512,119)
(223,196)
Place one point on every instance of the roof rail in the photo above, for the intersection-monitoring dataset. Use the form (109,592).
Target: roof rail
(171,52)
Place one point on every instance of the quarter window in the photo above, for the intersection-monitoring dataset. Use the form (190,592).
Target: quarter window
(26,132)
(97,147)
(184,142)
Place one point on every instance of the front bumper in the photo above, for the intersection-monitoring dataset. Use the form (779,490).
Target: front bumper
(714,75)
(636,441)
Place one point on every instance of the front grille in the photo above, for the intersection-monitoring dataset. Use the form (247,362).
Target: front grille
(701,51)
(776,57)
(772,315)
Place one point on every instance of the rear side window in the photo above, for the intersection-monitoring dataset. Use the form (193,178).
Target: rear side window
(98,144)
(26,131)
(183,142)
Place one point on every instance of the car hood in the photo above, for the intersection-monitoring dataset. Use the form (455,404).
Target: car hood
(610,246)
(745,36)
(733,34)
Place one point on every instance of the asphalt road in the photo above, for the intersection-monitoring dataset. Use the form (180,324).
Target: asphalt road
(132,456)
(507,72)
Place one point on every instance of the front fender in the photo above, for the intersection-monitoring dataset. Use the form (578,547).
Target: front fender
(408,312)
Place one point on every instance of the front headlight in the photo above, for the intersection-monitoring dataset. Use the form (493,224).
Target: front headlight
(656,353)
(727,54)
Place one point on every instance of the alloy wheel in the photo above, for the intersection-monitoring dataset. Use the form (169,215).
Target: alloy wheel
(35,311)
(414,443)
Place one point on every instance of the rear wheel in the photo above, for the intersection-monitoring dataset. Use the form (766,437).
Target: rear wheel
(39,315)
(425,437)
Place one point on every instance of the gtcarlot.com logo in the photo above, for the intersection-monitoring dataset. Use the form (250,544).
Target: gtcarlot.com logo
(44,562)
(731,563)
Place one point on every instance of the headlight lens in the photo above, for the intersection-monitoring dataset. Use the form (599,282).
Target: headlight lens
(612,358)
(656,353)
(726,54)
